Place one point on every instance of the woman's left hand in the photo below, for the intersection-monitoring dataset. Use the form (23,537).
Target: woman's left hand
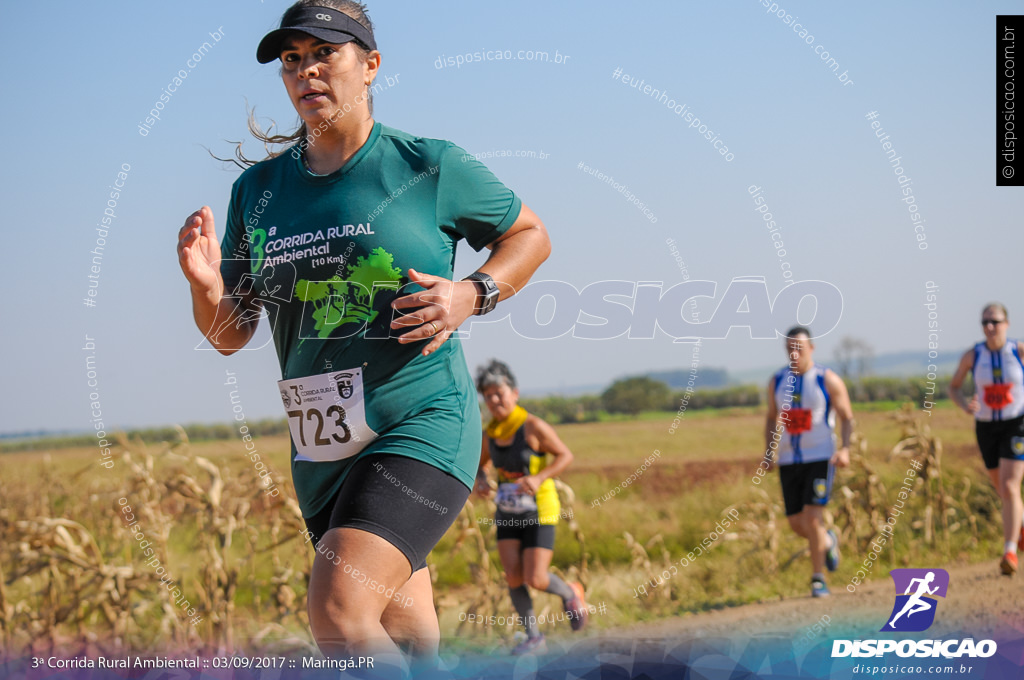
(439,309)
(530,484)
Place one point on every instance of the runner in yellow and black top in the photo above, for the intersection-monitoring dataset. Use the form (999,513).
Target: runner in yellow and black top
(518,445)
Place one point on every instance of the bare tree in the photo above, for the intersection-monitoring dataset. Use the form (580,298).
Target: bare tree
(853,357)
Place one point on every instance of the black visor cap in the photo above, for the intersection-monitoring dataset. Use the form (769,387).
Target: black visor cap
(322,23)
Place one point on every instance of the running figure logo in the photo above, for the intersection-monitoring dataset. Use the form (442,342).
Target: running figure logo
(914,610)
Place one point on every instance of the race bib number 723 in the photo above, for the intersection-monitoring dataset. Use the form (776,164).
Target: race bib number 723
(327,415)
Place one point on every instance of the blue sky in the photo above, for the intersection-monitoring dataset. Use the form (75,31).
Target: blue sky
(81,78)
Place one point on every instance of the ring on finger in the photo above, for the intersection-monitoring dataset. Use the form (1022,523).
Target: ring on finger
(434,326)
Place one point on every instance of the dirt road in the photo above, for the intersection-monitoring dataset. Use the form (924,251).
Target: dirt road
(980,601)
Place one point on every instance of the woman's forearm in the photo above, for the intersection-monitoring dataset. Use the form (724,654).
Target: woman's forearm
(559,465)
(515,259)
(222,320)
(958,397)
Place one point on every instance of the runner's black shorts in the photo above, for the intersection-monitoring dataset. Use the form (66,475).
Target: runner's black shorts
(525,528)
(1000,439)
(407,502)
(805,484)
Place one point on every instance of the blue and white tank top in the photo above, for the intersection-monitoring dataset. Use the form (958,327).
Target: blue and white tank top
(809,416)
(998,382)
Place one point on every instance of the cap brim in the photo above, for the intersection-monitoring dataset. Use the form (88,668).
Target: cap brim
(270,47)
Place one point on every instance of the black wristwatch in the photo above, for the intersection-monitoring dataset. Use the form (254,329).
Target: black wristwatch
(490,291)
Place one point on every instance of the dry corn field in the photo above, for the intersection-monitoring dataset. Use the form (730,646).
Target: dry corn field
(74,577)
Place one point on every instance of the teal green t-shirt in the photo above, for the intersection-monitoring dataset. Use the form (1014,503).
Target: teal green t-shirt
(326,255)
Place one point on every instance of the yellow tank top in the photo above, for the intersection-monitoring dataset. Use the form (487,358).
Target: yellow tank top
(518,460)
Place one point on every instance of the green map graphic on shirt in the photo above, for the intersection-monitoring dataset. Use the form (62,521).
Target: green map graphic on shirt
(338,301)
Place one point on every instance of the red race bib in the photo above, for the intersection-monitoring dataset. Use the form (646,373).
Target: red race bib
(798,420)
(998,396)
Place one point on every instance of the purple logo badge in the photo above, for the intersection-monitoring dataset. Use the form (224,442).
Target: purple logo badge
(915,605)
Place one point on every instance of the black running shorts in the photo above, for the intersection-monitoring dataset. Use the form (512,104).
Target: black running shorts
(407,502)
(526,529)
(805,484)
(1000,439)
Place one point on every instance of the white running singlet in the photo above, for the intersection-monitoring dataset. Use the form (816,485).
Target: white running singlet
(998,382)
(808,436)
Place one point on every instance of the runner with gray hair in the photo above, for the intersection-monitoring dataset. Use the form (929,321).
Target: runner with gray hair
(518,444)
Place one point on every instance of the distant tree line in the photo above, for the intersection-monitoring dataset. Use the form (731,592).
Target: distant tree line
(153,435)
(627,396)
(631,396)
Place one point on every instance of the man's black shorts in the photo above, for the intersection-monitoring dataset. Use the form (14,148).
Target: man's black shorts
(1000,439)
(805,484)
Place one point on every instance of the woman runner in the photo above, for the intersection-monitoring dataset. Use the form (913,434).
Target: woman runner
(998,410)
(346,242)
(518,443)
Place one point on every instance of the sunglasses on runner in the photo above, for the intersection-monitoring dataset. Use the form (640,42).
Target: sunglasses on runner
(992,322)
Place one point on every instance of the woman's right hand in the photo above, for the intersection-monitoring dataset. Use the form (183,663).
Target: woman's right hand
(198,250)
(973,406)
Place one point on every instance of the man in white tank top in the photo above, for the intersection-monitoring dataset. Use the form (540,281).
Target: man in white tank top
(803,401)
(998,410)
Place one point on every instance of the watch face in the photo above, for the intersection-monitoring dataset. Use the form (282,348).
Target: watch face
(491,292)
(490,300)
